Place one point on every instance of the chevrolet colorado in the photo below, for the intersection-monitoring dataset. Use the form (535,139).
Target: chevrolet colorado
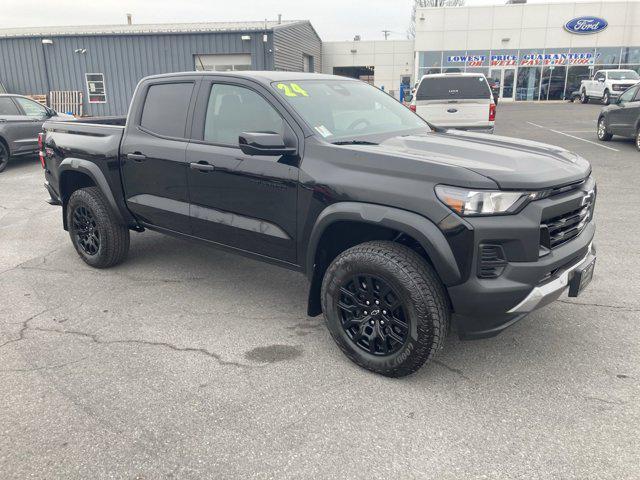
(402,229)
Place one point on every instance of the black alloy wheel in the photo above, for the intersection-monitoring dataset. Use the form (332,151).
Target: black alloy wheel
(372,315)
(4,157)
(86,230)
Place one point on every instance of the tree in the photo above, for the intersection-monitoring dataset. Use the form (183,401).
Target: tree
(411,31)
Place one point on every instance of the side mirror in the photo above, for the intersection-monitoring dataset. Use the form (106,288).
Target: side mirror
(601,80)
(264,143)
(50,112)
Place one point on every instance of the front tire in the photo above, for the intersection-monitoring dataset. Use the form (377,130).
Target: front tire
(4,156)
(583,97)
(406,318)
(98,237)
(638,139)
(606,97)
(603,134)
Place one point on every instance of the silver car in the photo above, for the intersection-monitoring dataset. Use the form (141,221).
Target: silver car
(21,120)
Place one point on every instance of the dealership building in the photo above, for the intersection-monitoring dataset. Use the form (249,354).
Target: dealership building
(537,51)
(93,70)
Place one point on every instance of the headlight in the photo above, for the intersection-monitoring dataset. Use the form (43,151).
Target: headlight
(484,202)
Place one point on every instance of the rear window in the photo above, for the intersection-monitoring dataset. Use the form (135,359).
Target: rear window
(165,109)
(453,88)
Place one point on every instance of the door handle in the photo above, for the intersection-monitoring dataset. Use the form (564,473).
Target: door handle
(136,157)
(452,110)
(202,166)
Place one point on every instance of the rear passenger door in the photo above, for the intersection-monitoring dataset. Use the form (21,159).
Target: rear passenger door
(153,153)
(242,201)
(16,127)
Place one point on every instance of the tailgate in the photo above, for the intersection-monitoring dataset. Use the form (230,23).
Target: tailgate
(455,113)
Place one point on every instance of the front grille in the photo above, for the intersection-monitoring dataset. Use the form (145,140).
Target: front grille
(621,87)
(558,230)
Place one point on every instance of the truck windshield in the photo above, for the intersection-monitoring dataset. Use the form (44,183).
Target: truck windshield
(624,75)
(340,109)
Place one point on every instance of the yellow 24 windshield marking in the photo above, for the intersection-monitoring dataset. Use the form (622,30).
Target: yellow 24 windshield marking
(292,89)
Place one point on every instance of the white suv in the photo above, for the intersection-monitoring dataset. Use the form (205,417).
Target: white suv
(456,100)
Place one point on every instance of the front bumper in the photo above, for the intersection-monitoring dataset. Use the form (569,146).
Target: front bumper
(533,276)
(550,290)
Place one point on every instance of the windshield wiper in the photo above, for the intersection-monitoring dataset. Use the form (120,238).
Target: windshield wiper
(354,142)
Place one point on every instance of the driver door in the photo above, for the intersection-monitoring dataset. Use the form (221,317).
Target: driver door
(245,202)
(598,85)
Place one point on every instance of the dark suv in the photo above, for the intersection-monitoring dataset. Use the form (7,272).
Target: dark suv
(398,226)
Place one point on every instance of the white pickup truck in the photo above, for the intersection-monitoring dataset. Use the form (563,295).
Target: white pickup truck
(607,84)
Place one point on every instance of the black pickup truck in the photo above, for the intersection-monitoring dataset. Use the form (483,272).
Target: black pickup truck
(401,229)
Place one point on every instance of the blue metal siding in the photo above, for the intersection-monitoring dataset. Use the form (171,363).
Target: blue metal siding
(123,59)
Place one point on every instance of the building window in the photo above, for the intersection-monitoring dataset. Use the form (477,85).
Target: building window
(222,62)
(95,88)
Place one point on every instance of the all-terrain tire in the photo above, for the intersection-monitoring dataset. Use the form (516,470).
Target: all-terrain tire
(606,97)
(420,293)
(89,215)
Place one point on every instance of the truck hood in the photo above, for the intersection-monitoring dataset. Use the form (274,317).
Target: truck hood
(512,163)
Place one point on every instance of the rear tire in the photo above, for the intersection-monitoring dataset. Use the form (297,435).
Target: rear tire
(4,156)
(98,237)
(606,97)
(583,97)
(407,317)
(603,134)
(638,139)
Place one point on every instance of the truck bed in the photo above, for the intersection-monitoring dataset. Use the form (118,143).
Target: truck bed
(93,142)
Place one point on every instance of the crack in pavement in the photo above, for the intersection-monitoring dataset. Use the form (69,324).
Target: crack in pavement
(96,339)
(453,370)
(603,305)
(25,327)
(45,367)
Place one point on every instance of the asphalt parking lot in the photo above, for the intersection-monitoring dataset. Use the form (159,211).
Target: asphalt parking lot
(186,362)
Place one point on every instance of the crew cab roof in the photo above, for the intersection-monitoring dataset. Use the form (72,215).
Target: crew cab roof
(262,76)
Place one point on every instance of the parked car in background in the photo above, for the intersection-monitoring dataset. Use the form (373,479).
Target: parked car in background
(456,100)
(607,84)
(21,120)
(622,117)
(400,228)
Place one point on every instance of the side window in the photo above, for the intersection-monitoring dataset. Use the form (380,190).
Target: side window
(233,109)
(7,107)
(31,108)
(165,109)
(637,97)
(599,75)
(628,95)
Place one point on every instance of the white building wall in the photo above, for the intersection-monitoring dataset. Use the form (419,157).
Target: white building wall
(391,59)
(533,25)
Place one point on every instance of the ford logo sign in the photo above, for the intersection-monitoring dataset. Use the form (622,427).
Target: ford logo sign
(585,25)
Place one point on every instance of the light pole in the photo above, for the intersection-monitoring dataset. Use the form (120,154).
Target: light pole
(45,42)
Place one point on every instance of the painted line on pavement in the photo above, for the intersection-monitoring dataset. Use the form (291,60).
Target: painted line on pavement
(573,136)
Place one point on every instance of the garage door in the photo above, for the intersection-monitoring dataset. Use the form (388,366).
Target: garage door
(222,63)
